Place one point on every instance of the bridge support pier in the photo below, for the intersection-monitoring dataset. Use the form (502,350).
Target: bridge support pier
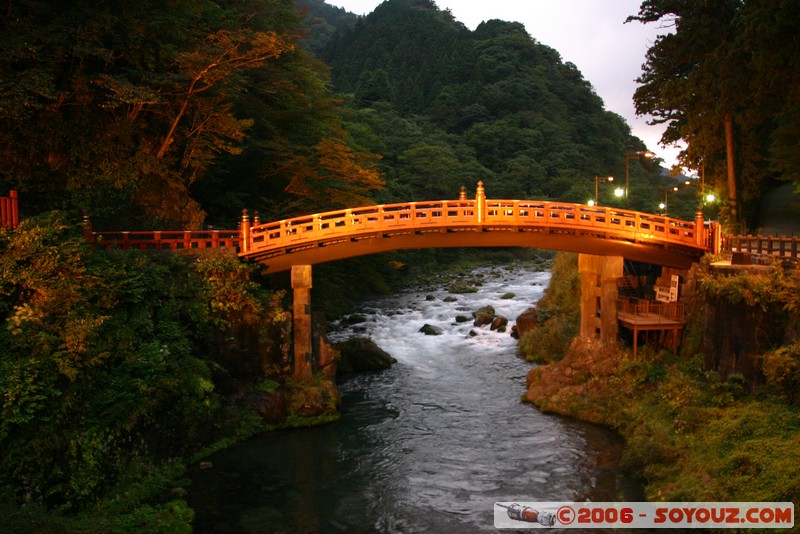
(599,276)
(301,322)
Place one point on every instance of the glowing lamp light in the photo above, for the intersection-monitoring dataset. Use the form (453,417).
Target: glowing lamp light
(619,192)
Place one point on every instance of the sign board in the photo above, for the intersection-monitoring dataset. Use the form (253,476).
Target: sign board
(668,294)
(662,293)
(673,288)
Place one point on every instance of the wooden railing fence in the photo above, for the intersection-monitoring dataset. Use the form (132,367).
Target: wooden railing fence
(649,308)
(786,247)
(169,240)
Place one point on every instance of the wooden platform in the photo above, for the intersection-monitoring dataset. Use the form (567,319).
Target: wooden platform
(666,319)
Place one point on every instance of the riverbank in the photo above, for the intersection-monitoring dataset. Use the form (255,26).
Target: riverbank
(690,435)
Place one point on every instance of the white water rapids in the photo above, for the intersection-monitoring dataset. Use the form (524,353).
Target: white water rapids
(426,446)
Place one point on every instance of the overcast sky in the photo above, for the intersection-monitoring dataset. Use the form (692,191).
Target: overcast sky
(589,33)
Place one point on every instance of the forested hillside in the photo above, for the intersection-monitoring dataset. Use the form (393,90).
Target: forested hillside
(447,106)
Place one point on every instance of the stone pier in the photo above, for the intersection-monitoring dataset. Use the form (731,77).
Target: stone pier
(599,277)
(301,322)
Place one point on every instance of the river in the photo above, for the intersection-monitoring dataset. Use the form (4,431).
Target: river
(427,446)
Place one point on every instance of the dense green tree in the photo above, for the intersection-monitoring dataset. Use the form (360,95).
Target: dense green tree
(110,360)
(116,103)
(321,21)
(141,111)
(731,61)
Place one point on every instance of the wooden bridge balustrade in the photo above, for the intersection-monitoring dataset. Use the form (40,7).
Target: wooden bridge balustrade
(288,236)
(169,240)
(784,247)
(9,210)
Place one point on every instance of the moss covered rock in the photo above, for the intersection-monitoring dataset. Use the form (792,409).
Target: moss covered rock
(360,354)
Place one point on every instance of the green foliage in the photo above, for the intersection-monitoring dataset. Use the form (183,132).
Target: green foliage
(725,59)
(688,435)
(781,368)
(780,287)
(108,362)
(127,111)
(558,313)
(747,451)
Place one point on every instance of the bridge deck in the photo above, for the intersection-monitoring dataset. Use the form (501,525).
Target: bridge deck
(482,222)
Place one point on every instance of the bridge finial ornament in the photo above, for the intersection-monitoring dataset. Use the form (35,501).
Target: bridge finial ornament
(463,194)
(480,202)
(244,229)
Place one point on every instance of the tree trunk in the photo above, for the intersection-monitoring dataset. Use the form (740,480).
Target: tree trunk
(732,204)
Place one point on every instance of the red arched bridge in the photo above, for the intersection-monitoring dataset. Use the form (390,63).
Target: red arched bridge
(482,222)
(603,236)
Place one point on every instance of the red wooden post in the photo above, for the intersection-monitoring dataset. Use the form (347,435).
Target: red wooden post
(14,208)
(699,227)
(244,243)
(5,212)
(9,210)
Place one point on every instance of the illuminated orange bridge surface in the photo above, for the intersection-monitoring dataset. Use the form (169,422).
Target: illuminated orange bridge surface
(482,222)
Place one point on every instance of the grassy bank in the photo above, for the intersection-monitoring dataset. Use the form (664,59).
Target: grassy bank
(690,435)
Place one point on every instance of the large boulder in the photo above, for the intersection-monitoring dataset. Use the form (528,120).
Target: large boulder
(430,330)
(360,354)
(499,324)
(461,286)
(312,400)
(483,316)
(526,322)
(272,406)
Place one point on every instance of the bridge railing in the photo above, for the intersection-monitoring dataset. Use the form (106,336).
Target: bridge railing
(386,217)
(9,210)
(785,247)
(464,213)
(168,240)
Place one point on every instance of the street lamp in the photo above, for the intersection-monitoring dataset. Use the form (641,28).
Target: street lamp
(628,155)
(597,180)
(664,205)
